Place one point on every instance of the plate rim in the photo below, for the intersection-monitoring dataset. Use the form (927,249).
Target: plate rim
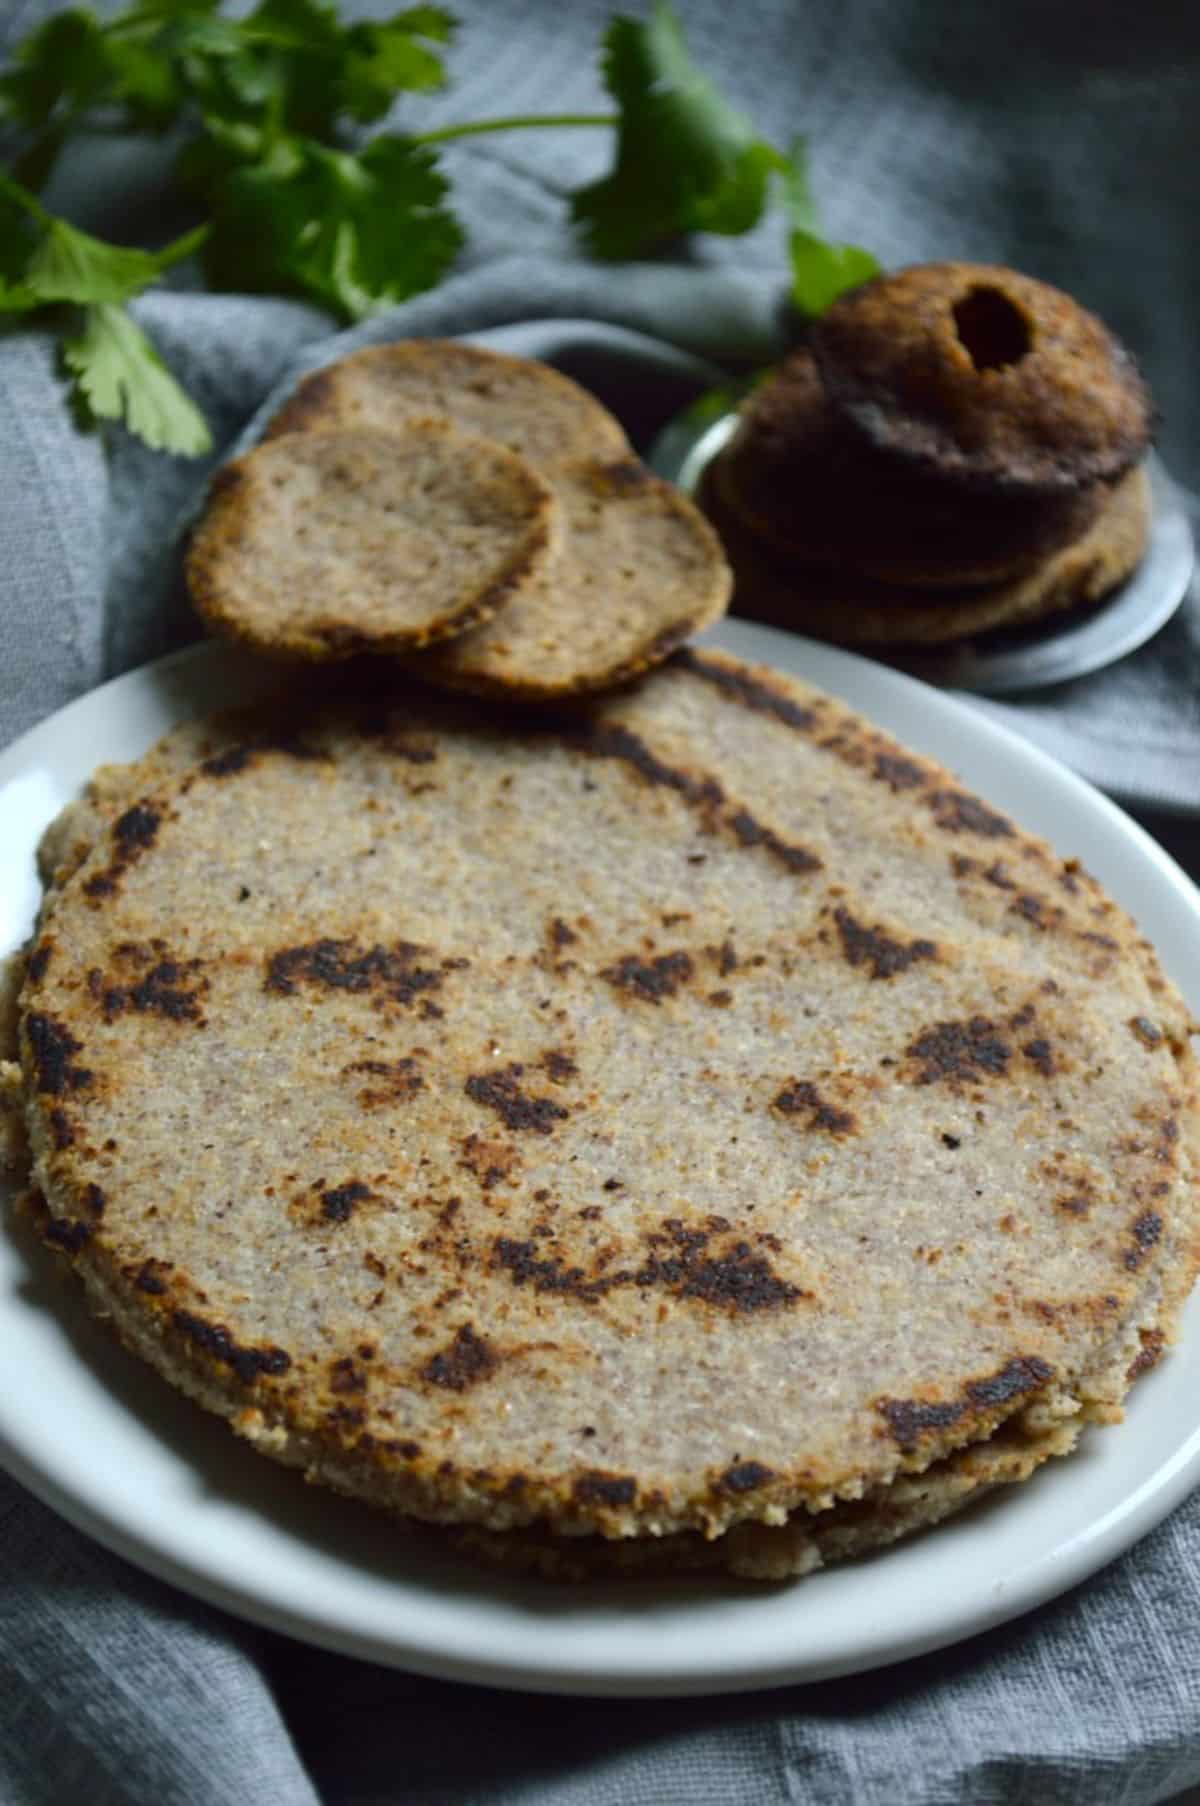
(194,671)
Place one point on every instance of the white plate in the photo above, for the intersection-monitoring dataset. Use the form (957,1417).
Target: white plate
(108,1445)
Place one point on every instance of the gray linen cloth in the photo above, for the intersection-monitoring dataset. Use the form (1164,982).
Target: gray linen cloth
(1059,138)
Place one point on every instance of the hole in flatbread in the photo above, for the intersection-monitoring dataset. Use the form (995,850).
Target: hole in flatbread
(992,329)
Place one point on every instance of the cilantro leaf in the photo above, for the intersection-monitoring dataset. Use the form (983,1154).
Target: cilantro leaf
(390,56)
(293,65)
(685,159)
(353,233)
(292,61)
(233,79)
(206,162)
(397,237)
(151,13)
(75,64)
(70,265)
(120,376)
(273,98)
(62,65)
(16,298)
(146,84)
(431,22)
(820,271)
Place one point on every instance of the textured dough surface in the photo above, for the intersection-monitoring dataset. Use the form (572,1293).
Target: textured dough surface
(799,479)
(528,406)
(779,1123)
(637,571)
(320,546)
(989,377)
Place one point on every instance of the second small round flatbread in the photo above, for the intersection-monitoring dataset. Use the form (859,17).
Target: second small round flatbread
(639,571)
(529,406)
(320,546)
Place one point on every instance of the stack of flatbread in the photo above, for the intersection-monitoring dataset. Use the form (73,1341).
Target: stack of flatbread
(687,1130)
(955,449)
(430,494)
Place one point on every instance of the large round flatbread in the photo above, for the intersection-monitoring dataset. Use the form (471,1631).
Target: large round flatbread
(775,1123)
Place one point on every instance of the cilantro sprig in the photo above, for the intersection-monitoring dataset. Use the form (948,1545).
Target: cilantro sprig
(299,194)
(117,372)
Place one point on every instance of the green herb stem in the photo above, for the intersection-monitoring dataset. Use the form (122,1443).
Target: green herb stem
(298,203)
(132,21)
(139,18)
(517,123)
(21,195)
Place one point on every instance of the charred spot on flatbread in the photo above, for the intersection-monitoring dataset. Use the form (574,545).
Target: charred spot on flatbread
(581,1195)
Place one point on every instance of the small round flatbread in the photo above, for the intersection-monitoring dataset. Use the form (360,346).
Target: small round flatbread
(638,572)
(532,408)
(799,479)
(323,546)
(638,569)
(984,376)
(851,610)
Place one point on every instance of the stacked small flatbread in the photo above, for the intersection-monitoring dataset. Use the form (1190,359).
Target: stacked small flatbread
(688,1131)
(429,491)
(956,448)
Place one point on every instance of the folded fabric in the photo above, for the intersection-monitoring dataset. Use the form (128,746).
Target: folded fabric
(100,538)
